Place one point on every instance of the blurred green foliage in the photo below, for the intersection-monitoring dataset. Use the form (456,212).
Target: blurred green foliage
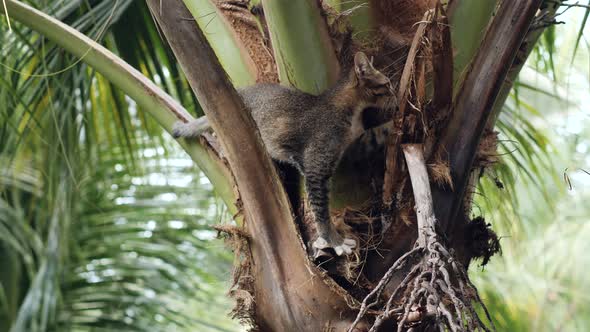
(542,214)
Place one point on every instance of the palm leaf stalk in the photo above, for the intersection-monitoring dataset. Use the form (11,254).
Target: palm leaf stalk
(149,96)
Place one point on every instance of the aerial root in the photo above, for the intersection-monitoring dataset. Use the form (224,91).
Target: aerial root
(441,294)
(436,292)
(375,294)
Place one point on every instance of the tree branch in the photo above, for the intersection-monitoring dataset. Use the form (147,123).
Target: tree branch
(228,47)
(302,44)
(476,97)
(525,49)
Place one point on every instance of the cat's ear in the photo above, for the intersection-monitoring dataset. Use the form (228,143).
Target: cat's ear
(362,65)
(371,78)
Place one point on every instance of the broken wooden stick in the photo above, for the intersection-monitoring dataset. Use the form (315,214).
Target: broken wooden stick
(414,155)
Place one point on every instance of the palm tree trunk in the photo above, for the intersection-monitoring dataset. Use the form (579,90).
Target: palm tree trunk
(291,293)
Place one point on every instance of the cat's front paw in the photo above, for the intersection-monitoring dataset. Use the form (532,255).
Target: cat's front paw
(339,245)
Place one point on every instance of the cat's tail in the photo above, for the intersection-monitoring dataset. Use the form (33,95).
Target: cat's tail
(190,129)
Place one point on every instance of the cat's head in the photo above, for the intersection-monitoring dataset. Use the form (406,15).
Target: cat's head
(374,84)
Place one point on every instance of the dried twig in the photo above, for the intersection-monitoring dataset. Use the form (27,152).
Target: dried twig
(391,178)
